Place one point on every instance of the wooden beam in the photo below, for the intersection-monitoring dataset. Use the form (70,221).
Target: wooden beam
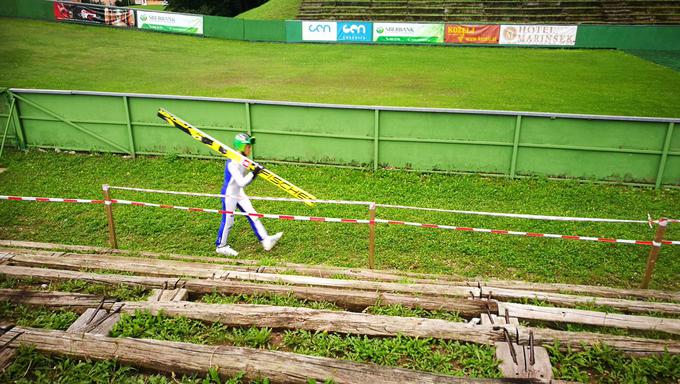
(177,294)
(317,270)
(167,356)
(95,321)
(6,358)
(77,302)
(176,268)
(384,275)
(277,317)
(540,370)
(365,324)
(602,319)
(636,346)
(349,299)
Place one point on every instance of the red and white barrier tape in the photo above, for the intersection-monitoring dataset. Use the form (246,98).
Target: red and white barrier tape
(528,234)
(50,199)
(197,194)
(516,215)
(351,202)
(339,220)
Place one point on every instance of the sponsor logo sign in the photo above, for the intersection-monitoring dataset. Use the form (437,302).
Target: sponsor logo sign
(94,14)
(319,31)
(358,31)
(538,34)
(170,22)
(408,33)
(471,34)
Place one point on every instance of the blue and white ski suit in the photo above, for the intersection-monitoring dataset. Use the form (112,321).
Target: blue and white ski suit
(236,178)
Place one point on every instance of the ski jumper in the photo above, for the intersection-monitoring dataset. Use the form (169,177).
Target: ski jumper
(236,178)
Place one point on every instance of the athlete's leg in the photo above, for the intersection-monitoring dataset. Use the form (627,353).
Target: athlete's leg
(245,206)
(228,204)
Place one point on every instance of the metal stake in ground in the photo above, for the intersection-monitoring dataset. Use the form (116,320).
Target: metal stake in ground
(654,252)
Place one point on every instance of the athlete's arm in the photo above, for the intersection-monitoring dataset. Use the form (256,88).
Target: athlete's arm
(241,181)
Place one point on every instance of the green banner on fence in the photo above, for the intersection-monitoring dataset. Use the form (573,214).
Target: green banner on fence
(408,33)
(170,22)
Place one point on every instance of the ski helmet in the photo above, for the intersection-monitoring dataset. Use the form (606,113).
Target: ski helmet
(241,140)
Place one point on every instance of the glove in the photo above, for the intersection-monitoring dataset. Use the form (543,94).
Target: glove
(256,171)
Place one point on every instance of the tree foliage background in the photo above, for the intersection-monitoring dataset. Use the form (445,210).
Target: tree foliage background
(229,8)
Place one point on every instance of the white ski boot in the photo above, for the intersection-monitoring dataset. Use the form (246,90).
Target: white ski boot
(270,241)
(226,251)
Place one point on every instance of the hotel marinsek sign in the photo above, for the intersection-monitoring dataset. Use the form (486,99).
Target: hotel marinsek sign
(345,31)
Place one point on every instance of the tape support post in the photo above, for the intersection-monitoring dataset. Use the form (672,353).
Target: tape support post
(337,220)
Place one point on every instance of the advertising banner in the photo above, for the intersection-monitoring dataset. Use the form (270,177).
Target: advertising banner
(538,34)
(355,31)
(170,22)
(319,31)
(471,34)
(408,33)
(94,14)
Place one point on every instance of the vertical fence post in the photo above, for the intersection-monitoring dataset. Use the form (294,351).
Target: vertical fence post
(109,214)
(18,129)
(654,253)
(129,126)
(664,155)
(9,120)
(371,235)
(515,146)
(376,135)
(249,129)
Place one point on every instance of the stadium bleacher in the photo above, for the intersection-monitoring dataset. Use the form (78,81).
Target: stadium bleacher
(515,11)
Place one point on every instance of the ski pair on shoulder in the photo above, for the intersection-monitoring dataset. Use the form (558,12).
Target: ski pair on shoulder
(234,155)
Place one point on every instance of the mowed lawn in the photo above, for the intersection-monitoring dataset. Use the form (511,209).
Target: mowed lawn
(37,173)
(39,54)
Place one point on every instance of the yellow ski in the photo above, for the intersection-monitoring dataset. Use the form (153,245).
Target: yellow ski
(227,152)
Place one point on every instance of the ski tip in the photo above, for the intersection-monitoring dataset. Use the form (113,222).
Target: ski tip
(162,113)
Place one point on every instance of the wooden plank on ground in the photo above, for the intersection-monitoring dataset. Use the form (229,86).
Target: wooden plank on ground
(95,321)
(497,320)
(319,320)
(360,323)
(320,270)
(329,271)
(177,294)
(602,319)
(77,302)
(540,370)
(189,358)
(350,299)
(6,358)
(176,268)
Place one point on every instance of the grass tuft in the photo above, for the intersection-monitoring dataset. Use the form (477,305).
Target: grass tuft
(31,366)
(37,317)
(284,301)
(604,364)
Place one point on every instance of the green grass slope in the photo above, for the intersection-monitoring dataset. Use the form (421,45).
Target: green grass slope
(440,251)
(66,56)
(149,7)
(273,10)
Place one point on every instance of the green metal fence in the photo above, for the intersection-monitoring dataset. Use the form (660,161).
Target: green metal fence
(610,148)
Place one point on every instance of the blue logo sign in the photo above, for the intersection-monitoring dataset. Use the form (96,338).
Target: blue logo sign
(357,31)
